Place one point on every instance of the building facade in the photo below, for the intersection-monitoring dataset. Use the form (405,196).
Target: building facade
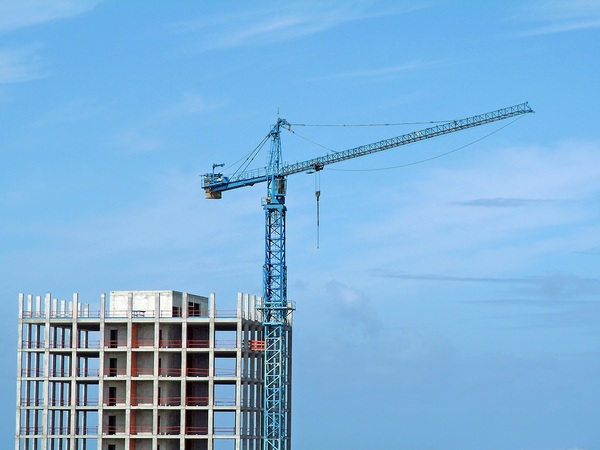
(147,370)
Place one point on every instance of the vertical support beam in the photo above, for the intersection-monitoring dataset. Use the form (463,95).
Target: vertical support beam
(46,388)
(74,393)
(239,375)
(101,365)
(275,305)
(19,370)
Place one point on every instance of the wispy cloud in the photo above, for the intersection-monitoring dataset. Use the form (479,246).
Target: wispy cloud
(143,136)
(378,73)
(21,64)
(190,103)
(13,198)
(266,25)
(504,202)
(508,210)
(559,16)
(551,286)
(18,65)
(138,140)
(353,308)
(25,13)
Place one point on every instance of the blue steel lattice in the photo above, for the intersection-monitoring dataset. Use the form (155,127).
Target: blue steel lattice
(276,389)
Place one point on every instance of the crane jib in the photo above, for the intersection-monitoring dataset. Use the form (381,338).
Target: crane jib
(409,138)
(214,184)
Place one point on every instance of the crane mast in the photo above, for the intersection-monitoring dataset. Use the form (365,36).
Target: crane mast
(276,310)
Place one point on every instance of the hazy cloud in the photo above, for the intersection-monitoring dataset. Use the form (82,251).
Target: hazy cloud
(556,286)
(378,73)
(502,202)
(262,26)
(353,308)
(13,198)
(137,140)
(25,13)
(142,138)
(190,103)
(559,16)
(21,64)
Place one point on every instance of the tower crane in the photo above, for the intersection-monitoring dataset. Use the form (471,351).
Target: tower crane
(275,307)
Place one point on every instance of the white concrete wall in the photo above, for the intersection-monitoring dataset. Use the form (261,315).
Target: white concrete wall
(145,301)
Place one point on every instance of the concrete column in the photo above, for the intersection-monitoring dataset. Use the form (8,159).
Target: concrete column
(101,366)
(211,306)
(19,369)
(38,306)
(47,301)
(238,375)
(128,369)
(74,394)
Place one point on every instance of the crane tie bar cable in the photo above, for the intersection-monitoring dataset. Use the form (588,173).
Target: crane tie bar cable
(367,124)
(441,155)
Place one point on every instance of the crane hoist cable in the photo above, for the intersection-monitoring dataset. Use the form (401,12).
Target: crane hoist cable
(318,197)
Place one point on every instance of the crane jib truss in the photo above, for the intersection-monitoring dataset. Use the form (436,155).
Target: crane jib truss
(275,307)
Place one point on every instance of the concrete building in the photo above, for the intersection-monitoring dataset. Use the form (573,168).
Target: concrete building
(150,370)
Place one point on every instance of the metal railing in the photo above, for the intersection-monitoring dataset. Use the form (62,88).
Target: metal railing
(115,343)
(114,401)
(169,429)
(196,430)
(32,401)
(198,371)
(137,429)
(169,372)
(198,343)
(196,401)
(113,429)
(32,372)
(138,371)
(169,401)
(86,372)
(114,371)
(136,343)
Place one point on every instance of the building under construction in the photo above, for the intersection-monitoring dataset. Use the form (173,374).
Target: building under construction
(146,370)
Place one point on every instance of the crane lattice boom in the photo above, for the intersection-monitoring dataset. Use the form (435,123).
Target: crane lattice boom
(214,183)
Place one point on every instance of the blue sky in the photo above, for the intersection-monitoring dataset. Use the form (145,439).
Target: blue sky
(452,304)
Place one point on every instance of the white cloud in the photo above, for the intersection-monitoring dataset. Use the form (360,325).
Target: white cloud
(449,221)
(279,23)
(559,16)
(190,103)
(144,136)
(353,309)
(25,13)
(379,73)
(137,140)
(13,198)
(21,64)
